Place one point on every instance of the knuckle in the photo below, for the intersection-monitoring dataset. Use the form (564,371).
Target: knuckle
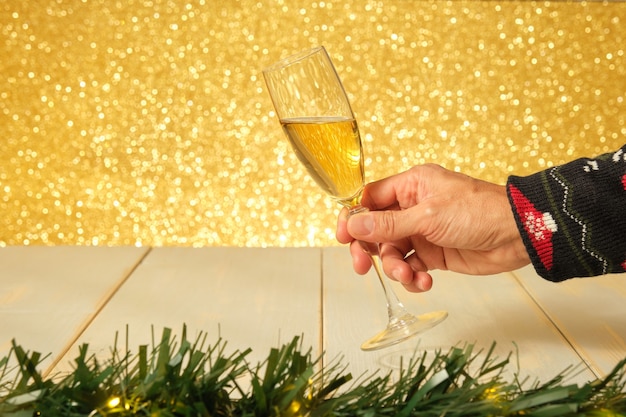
(429,210)
(386,224)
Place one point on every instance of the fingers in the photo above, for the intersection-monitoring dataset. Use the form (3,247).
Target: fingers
(385,226)
(408,269)
(422,281)
(341,233)
(396,264)
(361,262)
(403,190)
(383,194)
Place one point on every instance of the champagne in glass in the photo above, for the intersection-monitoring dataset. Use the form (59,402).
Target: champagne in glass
(330,149)
(315,114)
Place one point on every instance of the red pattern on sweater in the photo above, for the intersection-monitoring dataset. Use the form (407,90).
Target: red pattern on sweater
(538,226)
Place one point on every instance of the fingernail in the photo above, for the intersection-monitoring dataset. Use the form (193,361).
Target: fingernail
(361,224)
(343,214)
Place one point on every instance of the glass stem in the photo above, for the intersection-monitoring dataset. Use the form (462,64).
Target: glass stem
(395,308)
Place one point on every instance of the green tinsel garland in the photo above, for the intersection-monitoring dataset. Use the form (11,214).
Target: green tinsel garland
(189,379)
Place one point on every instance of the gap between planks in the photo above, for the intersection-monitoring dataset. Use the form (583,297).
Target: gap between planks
(594,370)
(83,327)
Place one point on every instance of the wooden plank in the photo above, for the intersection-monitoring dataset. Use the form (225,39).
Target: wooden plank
(482,310)
(48,295)
(255,298)
(591,314)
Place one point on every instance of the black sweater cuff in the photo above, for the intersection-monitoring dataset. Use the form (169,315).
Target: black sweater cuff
(572,218)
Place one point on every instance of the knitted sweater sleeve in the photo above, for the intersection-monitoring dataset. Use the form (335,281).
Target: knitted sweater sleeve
(572,217)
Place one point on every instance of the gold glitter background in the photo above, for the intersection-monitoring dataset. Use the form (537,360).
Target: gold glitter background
(148,123)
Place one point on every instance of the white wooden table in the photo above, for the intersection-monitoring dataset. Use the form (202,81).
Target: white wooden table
(52,299)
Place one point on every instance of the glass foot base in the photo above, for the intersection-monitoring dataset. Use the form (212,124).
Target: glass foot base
(402,328)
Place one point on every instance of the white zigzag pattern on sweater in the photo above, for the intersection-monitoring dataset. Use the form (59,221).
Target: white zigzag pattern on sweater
(619,156)
(577,220)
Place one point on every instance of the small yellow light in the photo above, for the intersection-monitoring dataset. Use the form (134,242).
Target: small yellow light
(310,395)
(492,394)
(294,408)
(114,402)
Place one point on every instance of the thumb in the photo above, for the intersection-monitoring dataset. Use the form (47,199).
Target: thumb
(384,226)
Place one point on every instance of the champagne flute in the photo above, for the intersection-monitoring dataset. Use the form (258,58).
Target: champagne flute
(316,116)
